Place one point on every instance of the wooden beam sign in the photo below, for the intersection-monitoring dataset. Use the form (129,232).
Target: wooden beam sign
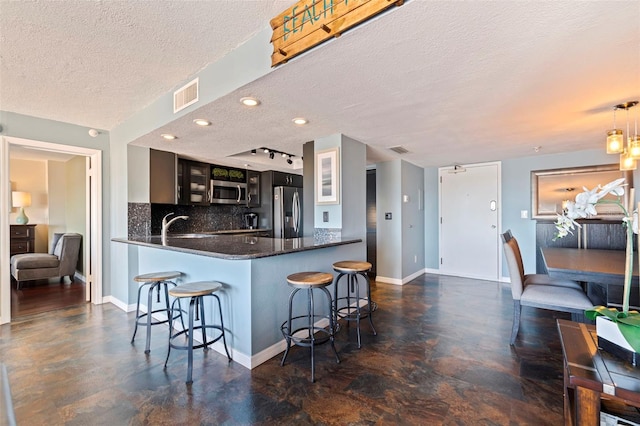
(310,22)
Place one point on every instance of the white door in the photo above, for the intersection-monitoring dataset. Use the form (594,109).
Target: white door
(469,221)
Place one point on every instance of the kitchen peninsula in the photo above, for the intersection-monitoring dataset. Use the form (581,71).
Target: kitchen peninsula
(253,272)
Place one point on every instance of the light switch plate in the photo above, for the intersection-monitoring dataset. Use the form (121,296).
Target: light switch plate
(387,216)
(524,214)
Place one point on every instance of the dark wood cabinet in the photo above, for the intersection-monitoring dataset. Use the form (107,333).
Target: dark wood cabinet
(193,182)
(253,188)
(163,187)
(22,239)
(286,179)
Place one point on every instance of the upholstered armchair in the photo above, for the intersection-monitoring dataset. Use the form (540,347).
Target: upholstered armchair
(60,262)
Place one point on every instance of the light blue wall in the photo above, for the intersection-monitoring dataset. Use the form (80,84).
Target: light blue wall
(516,194)
(431,222)
(255,292)
(138,165)
(389,232)
(334,210)
(235,277)
(413,235)
(243,65)
(270,291)
(354,189)
(38,129)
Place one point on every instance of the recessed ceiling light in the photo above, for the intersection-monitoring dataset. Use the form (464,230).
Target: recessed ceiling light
(202,122)
(250,102)
(169,136)
(300,121)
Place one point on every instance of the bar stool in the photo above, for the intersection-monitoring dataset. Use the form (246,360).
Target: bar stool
(156,281)
(354,308)
(196,292)
(301,329)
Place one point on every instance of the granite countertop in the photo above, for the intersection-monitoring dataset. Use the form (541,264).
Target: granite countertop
(236,247)
(236,231)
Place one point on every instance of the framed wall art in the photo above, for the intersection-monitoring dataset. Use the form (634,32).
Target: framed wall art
(328,177)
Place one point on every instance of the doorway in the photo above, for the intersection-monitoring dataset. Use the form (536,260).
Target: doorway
(92,242)
(470,221)
(371,221)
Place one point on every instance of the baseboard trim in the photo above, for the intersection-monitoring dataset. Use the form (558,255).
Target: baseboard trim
(400,281)
(473,277)
(120,304)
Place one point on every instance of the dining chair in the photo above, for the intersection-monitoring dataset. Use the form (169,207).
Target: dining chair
(542,296)
(539,279)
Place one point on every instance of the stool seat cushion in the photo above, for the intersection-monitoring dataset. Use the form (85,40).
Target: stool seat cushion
(157,276)
(347,266)
(310,279)
(200,288)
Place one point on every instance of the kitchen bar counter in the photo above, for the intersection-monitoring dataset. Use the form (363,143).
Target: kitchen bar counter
(236,247)
(253,272)
(238,231)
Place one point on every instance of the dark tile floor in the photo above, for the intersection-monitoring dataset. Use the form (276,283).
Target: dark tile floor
(441,356)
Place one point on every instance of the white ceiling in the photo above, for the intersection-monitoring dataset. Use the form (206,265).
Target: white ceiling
(453,82)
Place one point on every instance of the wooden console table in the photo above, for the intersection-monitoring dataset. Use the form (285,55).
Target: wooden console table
(591,375)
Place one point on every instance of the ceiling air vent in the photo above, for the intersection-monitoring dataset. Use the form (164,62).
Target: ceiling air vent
(185,96)
(399,149)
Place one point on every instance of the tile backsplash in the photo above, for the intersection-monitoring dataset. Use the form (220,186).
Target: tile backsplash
(146,219)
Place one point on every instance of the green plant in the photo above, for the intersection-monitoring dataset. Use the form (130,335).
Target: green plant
(220,173)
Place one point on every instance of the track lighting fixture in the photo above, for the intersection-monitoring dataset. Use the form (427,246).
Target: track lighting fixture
(273,152)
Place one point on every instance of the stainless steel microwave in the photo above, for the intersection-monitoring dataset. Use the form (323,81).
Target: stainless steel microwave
(223,192)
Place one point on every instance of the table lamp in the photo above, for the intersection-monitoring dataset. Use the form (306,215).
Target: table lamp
(22,200)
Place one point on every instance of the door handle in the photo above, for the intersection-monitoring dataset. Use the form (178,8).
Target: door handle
(239,193)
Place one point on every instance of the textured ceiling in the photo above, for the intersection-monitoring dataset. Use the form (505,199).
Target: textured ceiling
(452,82)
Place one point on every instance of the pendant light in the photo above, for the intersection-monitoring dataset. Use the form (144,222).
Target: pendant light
(633,141)
(629,152)
(627,162)
(615,140)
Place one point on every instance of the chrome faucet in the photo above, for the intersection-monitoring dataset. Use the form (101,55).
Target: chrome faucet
(165,225)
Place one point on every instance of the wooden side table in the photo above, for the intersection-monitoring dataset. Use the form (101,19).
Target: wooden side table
(22,239)
(591,375)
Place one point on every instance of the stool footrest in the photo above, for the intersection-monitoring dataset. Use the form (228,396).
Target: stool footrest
(350,313)
(195,328)
(301,336)
(154,322)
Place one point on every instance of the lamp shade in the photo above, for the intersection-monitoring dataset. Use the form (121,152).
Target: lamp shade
(20,199)
(634,147)
(615,141)
(627,162)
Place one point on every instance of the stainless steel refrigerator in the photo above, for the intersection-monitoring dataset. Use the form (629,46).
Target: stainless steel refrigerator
(287,212)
